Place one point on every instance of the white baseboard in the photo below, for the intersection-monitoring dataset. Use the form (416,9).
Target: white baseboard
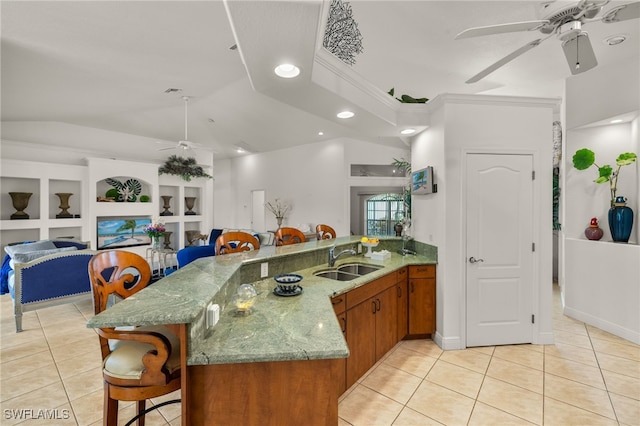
(449,343)
(607,326)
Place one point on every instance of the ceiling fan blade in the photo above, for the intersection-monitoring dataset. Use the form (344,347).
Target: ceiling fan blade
(501,29)
(579,53)
(622,13)
(510,57)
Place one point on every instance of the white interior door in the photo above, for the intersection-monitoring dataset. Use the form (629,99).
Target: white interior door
(499,249)
(257,211)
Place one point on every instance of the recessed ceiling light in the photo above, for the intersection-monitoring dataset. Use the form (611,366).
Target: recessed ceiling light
(407,131)
(616,121)
(320,133)
(616,39)
(345,114)
(240,150)
(287,71)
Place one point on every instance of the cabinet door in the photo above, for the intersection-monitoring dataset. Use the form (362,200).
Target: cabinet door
(403,304)
(386,321)
(361,339)
(422,305)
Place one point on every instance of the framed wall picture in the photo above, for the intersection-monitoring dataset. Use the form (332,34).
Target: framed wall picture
(422,182)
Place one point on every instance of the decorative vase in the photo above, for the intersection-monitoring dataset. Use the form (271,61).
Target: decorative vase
(189,202)
(398,228)
(155,242)
(64,205)
(620,220)
(279,220)
(193,236)
(167,240)
(166,206)
(593,232)
(20,202)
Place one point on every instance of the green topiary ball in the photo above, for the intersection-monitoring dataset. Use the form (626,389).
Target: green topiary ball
(145,198)
(112,193)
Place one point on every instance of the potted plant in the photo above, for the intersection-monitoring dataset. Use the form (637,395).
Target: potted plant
(186,168)
(620,216)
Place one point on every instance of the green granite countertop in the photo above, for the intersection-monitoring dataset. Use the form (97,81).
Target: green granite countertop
(279,328)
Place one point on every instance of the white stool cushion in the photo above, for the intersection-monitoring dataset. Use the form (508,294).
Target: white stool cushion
(125,359)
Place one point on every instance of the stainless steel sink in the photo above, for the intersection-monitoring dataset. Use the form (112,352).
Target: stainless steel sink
(347,272)
(358,268)
(334,274)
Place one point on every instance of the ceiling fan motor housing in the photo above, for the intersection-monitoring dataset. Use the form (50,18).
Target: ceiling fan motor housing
(570,30)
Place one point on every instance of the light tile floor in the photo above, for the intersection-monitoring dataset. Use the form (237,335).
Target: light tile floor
(588,377)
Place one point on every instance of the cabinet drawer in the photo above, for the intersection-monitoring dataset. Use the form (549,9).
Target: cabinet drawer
(422,271)
(339,303)
(360,294)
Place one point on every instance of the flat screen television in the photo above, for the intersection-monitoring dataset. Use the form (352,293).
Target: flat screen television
(118,232)
(422,181)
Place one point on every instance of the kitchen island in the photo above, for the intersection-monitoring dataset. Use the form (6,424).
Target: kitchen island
(278,365)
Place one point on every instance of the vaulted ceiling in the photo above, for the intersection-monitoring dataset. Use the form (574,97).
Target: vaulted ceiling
(107,65)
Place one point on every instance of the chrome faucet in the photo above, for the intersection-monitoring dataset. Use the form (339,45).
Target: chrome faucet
(333,258)
(404,251)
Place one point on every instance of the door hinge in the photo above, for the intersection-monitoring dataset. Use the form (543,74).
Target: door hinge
(533,246)
(533,319)
(533,175)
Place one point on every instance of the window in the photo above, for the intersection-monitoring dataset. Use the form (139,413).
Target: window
(382,213)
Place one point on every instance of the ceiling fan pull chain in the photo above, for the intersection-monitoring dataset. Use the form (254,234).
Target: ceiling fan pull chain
(577,55)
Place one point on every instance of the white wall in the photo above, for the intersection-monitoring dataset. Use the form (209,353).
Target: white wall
(314,178)
(603,92)
(460,124)
(590,102)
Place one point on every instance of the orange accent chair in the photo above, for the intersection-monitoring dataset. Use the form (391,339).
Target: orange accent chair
(286,236)
(325,232)
(138,362)
(236,242)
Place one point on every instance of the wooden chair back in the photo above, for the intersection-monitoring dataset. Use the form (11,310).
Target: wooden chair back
(325,232)
(286,236)
(236,242)
(139,363)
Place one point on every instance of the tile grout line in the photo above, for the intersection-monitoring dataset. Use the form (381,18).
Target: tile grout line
(595,354)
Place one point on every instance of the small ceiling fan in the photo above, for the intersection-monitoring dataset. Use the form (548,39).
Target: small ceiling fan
(565,20)
(184,144)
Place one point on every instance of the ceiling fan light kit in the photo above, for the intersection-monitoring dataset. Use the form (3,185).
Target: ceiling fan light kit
(566,22)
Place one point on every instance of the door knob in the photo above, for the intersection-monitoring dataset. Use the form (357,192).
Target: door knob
(474,260)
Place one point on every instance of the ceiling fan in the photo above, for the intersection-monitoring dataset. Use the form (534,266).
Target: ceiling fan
(184,144)
(565,20)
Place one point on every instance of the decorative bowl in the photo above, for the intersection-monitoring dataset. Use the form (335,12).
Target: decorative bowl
(288,282)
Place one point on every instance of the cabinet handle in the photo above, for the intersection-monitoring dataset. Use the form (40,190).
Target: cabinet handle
(373,305)
(336,301)
(344,324)
(399,289)
(377,305)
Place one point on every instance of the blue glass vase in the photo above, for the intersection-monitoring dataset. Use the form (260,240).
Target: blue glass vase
(620,220)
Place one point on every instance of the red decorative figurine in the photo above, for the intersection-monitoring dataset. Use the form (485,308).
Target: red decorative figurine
(593,232)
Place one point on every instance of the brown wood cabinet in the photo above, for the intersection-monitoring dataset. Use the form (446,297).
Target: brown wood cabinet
(422,299)
(375,316)
(371,325)
(403,303)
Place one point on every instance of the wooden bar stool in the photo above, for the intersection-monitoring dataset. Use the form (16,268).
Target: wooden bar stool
(325,232)
(286,236)
(138,363)
(236,242)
